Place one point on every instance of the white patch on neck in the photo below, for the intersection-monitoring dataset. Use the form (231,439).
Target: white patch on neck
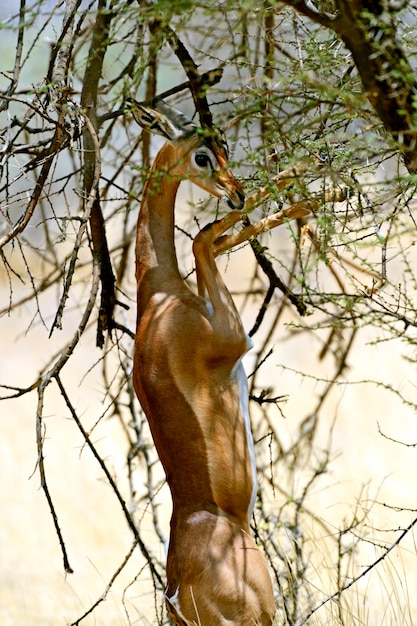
(210,308)
(174,603)
(240,374)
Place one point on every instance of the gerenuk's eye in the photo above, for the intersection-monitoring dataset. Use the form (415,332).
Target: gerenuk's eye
(202,160)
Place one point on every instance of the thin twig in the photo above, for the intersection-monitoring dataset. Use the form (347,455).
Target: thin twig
(40,435)
(365,572)
(112,483)
(108,586)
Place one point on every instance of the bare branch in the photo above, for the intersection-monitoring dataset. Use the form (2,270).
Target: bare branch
(40,436)
(113,485)
(57,323)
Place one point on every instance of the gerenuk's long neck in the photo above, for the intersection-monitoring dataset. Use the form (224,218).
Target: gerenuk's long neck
(156,260)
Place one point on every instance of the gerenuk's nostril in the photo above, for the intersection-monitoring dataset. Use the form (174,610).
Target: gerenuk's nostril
(230,202)
(237,202)
(241,197)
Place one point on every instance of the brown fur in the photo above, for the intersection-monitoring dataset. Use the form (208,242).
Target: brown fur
(184,374)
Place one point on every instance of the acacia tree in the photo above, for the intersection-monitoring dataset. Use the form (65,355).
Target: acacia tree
(318,102)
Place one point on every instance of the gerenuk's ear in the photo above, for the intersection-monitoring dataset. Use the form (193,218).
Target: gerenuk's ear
(162,119)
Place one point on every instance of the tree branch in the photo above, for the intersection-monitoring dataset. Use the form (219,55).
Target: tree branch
(369,32)
(89,94)
(308,11)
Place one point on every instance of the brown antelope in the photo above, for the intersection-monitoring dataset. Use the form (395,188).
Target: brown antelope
(189,379)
